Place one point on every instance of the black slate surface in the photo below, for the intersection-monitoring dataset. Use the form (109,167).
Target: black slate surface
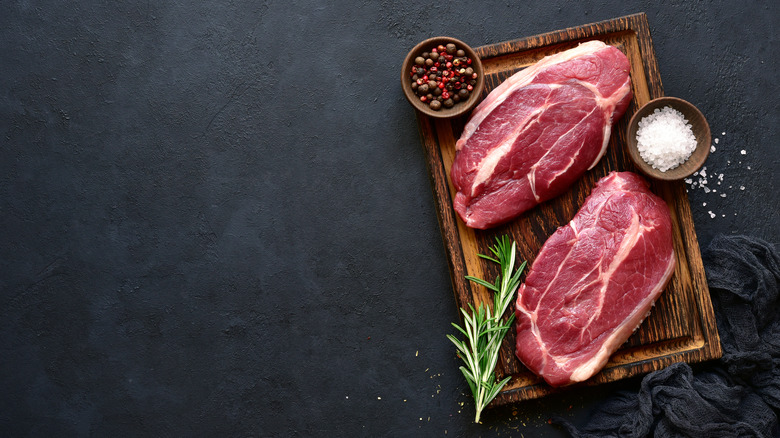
(216,219)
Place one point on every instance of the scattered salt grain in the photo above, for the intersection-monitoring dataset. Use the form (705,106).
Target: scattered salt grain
(665,139)
(742,187)
(716,141)
(743,152)
(722,195)
(712,148)
(712,215)
(748,167)
(722,133)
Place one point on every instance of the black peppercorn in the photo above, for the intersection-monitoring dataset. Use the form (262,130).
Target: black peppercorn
(435,105)
(448,103)
(461,53)
(451,48)
(463,93)
(419,60)
(429,62)
(423,89)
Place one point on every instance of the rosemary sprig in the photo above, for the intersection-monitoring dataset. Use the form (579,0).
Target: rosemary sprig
(484,329)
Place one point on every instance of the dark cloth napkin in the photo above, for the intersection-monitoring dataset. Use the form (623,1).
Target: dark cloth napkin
(735,396)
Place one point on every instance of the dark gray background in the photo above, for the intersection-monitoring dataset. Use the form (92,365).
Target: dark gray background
(217,220)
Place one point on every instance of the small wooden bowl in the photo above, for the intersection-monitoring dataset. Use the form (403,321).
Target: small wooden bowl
(460,107)
(701,130)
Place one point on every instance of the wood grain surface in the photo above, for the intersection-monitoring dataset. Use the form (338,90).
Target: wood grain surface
(681,326)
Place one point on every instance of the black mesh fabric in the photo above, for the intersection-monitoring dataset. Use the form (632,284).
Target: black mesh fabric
(735,396)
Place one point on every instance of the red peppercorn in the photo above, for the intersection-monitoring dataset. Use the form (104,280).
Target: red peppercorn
(422,81)
(469,87)
(473,76)
(434,69)
(441,84)
(468,61)
(449,64)
(445,95)
(423,98)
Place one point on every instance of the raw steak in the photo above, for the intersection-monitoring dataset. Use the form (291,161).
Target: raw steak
(538,132)
(594,281)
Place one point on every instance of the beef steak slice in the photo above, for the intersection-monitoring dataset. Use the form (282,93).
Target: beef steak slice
(594,281)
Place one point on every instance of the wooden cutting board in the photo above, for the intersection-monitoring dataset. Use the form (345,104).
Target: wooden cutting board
(681,327)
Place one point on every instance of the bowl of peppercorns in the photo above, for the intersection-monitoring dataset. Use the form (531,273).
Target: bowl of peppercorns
(443,77)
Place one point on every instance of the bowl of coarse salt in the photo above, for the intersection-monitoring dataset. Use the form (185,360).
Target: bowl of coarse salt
(668,138)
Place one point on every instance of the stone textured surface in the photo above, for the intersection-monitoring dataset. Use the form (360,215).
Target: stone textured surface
(217,218)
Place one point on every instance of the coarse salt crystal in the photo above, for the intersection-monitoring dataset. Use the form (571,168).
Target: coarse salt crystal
(716,140)
(712,148)
(665,139)
(742,187)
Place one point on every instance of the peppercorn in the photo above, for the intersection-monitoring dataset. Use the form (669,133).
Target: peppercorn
(439,78)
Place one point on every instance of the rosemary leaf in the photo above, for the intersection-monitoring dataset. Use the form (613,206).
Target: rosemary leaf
(485,329)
